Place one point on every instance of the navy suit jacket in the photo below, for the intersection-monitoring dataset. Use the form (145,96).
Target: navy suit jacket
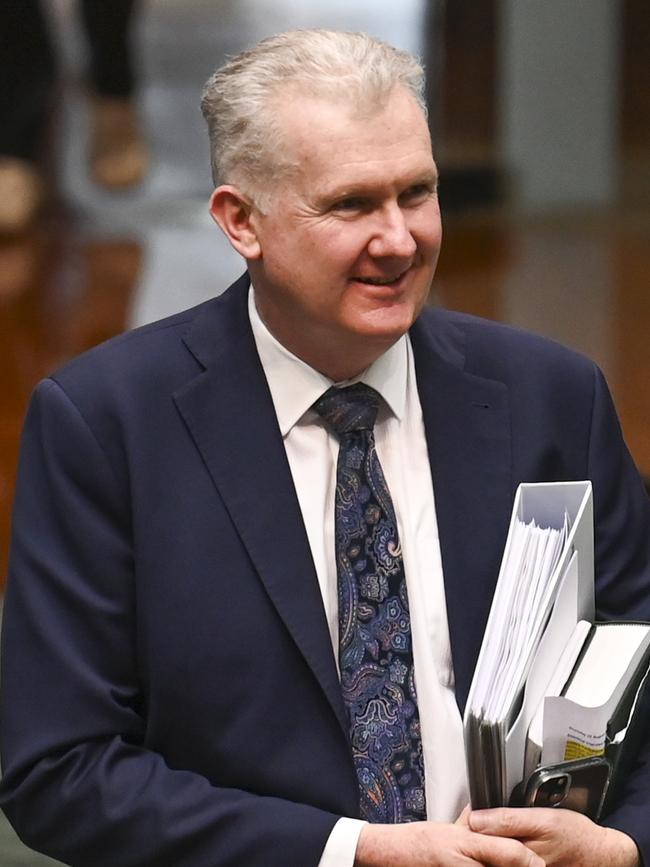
(170,691)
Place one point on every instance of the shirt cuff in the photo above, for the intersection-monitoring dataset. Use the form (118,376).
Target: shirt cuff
(341,846)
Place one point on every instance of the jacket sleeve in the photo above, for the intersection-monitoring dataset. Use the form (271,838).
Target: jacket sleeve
(79,784)
(622,540)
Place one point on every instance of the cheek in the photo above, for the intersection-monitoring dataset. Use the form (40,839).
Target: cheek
(339,249)
(436,237)
(285,261)
(426,228)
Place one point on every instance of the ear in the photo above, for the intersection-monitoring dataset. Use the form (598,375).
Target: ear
(232,212)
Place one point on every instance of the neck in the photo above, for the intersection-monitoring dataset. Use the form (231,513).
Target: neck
(336,361)
(335,357)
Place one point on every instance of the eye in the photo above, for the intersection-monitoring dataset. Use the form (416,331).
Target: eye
(418,193)
(351,204)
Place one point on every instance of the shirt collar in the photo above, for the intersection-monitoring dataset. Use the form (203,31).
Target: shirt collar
(295,386)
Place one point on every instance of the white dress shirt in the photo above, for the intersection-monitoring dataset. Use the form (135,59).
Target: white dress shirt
(312,452)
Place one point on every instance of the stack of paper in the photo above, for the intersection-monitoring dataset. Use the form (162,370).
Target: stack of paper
(523,602)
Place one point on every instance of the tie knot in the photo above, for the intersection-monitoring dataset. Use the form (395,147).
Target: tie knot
(349,409)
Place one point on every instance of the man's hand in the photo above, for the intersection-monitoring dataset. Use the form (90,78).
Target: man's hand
(434,844)
(563,838)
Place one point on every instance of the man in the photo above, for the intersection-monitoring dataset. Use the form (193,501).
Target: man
(227,581)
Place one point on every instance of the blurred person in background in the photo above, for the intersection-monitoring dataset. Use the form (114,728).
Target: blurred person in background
(28,67)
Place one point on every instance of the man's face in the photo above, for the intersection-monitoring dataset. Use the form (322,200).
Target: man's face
(349,245)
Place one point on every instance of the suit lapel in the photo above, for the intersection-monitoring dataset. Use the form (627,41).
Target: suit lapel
(229,413)
(467,424)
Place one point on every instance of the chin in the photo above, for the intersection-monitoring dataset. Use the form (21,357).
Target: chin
(389,322)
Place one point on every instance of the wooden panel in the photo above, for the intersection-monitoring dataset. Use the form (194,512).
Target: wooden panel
(58,296)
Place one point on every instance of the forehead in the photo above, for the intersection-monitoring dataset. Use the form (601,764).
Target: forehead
(334,144)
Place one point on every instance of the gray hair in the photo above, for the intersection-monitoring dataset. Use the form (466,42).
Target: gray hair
(238,100)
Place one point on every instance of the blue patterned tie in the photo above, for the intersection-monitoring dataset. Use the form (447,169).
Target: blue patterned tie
(375,656)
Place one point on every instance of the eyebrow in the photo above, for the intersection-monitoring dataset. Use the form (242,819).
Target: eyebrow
(360,190)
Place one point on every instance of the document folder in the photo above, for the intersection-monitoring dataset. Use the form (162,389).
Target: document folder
(545,586)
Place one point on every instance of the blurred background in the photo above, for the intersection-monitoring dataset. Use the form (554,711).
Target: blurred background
(540,116)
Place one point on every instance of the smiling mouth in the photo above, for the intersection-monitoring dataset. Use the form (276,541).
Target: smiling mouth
(382,281)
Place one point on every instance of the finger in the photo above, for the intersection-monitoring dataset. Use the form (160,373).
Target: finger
(508,821)
(530,823)
(463,819)
(502,852)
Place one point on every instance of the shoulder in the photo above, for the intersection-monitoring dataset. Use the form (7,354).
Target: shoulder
(497,351)
(157,354)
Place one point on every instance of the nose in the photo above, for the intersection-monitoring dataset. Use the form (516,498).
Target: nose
(391,236)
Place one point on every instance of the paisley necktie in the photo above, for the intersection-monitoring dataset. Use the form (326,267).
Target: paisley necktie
(375,655)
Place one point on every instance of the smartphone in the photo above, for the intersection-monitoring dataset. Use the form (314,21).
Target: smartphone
(579,785)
